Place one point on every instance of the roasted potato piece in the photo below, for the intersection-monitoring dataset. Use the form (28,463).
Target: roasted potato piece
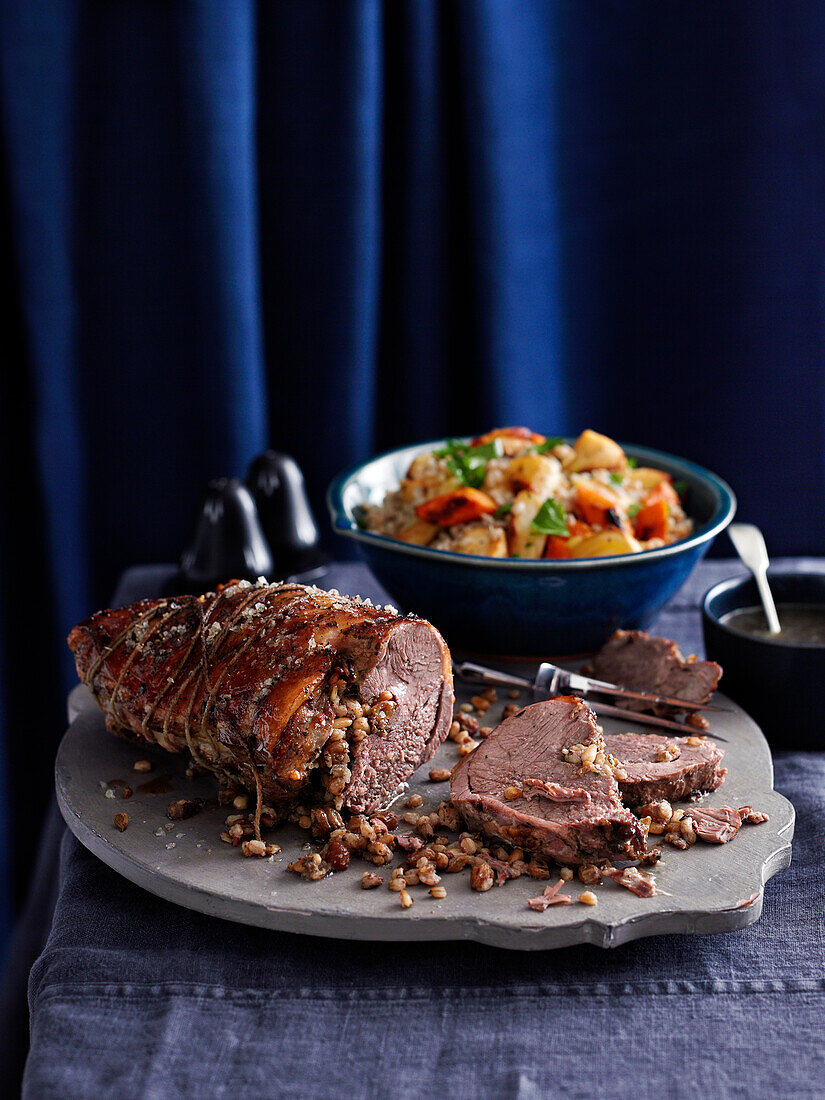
(522,434)
(523,541)
(426,478)
(648,477)
(416,492)
(541,474)
(419,533)
(424,468)
(592,451)
(458,506)
(578,532)
(478,538)
(604,543)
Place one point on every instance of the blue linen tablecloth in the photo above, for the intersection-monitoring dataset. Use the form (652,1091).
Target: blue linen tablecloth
(132,996)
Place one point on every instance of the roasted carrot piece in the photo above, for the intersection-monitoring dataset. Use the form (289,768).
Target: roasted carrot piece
(458,506)
(557,547)
(663,491)
(507,433)
(593,503)
(650,522)
(579,530)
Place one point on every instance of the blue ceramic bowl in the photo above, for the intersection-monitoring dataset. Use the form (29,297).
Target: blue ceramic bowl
(523,608)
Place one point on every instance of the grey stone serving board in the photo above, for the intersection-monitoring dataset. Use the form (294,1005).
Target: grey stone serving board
(713,888)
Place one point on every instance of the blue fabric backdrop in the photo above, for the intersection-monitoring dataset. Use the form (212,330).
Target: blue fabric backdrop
(335,226)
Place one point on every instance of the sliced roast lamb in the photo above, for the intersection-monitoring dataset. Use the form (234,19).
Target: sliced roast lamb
(294,693)
(636,660)
(654,767)
(541,781)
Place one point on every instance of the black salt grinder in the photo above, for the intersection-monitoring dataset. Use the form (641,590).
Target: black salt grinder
(277,485)
(228,543)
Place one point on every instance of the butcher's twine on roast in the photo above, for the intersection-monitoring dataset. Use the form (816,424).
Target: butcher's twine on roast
(287,690)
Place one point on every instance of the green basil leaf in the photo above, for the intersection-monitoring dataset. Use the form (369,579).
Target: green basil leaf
(493,449)
(634,510)
(503,510)
(550,519)
(474,475)
(617,479)
(548,444)
(632,462)
(469,464)
(450,448)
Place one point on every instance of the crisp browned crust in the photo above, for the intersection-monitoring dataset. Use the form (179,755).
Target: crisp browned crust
(247,678)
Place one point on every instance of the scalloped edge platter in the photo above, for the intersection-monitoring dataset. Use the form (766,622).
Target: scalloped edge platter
(713,888)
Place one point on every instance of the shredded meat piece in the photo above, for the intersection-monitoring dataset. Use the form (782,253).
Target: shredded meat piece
(717,825)
(632,879)
(750,816)
(551,896)
(409,842)
(503,870)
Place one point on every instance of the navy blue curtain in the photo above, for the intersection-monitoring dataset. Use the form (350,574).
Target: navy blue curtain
(335,226)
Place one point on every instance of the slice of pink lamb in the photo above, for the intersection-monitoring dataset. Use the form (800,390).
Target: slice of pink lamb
(647,778)
(642,662)
(524,785)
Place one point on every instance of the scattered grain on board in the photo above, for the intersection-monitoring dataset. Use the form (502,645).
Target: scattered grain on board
(589,874)
(481,877)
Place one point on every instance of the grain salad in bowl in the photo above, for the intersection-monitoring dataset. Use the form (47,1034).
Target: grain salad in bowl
(594,538)
(513,493)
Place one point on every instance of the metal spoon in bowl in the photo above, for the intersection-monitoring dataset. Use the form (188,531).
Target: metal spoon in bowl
(750,546)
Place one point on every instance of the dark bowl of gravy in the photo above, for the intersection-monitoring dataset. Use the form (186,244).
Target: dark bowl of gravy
(778,678)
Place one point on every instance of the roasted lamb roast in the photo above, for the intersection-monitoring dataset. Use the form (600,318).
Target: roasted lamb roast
(296,694)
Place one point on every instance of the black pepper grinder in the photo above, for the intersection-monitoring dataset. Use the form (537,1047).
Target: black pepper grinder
(277,485)
(228,542)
